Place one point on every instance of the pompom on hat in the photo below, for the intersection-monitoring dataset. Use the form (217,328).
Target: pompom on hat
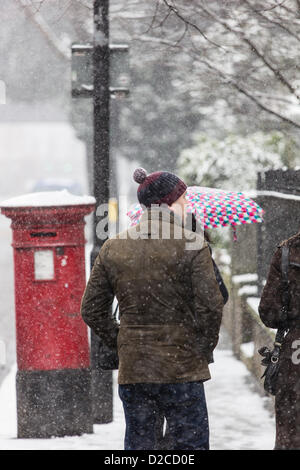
(139,175)
(160,187)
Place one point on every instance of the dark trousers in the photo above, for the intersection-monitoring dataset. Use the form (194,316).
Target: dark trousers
(182,404)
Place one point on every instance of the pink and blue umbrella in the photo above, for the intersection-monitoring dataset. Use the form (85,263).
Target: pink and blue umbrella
(214,208)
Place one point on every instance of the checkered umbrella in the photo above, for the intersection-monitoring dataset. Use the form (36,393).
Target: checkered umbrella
(215,208)
(218,208)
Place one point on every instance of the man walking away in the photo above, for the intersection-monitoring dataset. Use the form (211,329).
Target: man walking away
(287,399)
(170,315)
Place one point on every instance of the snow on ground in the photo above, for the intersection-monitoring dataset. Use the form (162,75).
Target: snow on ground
(238,416)
(239,419)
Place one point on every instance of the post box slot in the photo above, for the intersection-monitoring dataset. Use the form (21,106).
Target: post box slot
(43,234)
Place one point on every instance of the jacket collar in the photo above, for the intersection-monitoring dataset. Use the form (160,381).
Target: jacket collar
(158,215)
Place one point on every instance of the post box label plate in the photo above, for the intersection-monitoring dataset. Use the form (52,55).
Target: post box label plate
(44,265)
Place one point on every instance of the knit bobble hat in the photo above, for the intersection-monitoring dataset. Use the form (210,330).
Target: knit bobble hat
(139,175)
(160,187)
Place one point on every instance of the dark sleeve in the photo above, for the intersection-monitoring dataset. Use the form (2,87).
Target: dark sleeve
(221,283)
(271,300)
(208,301)
(96,305)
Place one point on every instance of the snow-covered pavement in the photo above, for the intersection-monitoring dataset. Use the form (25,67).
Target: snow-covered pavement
(239,419)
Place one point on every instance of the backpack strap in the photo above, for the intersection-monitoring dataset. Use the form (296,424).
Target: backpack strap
(296,265)
(285,252)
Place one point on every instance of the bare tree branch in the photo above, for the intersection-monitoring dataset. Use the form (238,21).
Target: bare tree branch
(151,26)
(252,97)
(43,26)
(272,21)
(289,10)
(225,78)
(254,49)
(85,3)
(273,7)
(277,73)
(263,101)
(189,23)
(280,99)
(36,4)
(64,12)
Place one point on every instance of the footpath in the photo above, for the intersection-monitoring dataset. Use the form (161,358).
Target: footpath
(239,417)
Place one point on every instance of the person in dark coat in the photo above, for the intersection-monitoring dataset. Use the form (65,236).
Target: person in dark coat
(170,310)
(287,399)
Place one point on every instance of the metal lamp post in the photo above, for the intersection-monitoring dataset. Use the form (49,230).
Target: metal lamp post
(93,77)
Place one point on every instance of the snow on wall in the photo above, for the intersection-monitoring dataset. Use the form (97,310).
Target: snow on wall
(244,278)
(248,290)
(253,303)
(253,194)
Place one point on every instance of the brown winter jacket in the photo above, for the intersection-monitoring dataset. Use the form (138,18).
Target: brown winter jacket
(271,300)
(287,402)
(169,300)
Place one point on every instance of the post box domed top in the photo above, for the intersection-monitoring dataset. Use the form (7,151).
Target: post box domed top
(48,199)
(47,205)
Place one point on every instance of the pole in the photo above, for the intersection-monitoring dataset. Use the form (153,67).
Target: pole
(101,380)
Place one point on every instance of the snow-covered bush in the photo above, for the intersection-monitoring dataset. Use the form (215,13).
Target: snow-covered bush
(233,162)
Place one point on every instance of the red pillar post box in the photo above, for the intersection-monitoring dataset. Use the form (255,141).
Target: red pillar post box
(54,376)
